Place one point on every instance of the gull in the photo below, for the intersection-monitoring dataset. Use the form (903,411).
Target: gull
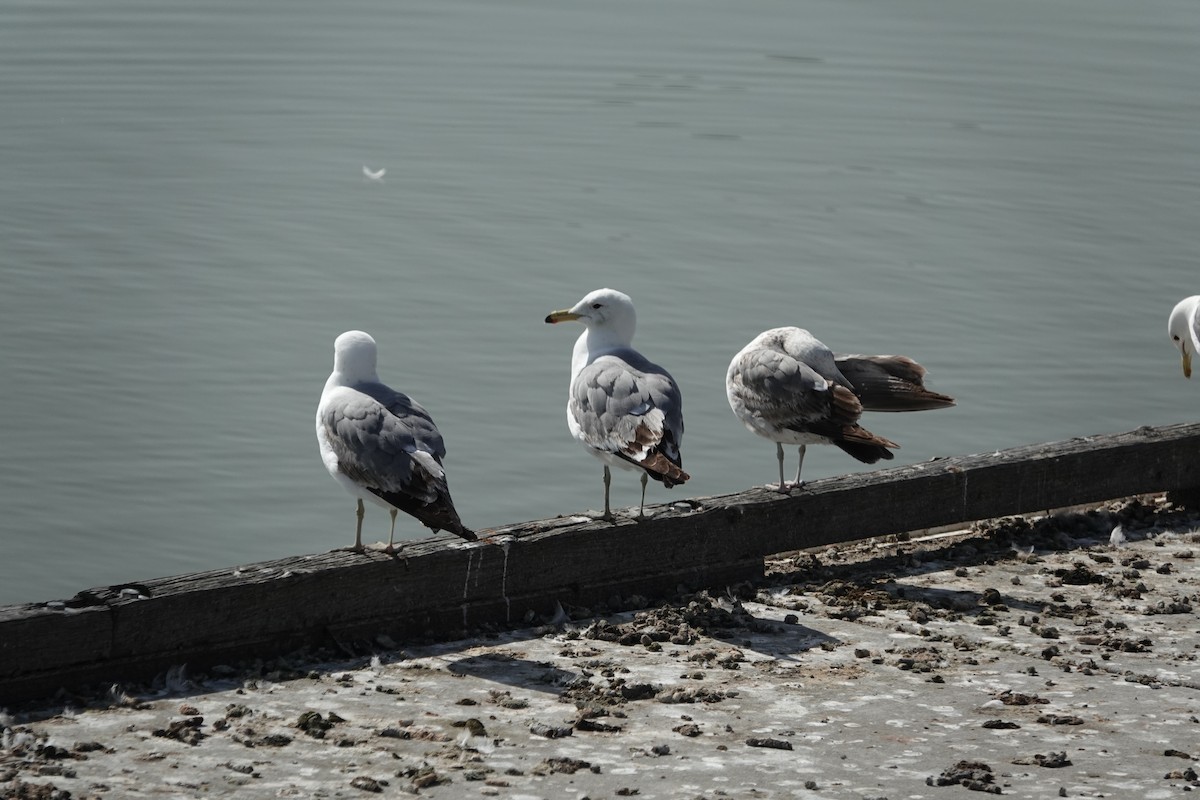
(380,444)
(788,387)
(374,174)
(623,408)
(1183,327)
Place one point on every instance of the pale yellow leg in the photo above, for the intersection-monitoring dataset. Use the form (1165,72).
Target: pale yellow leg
(607,483)
(799,466)
(779,456)
(392,534)
(358,548)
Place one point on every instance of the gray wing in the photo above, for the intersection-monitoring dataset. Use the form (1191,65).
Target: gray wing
(628,406)
(374,431)
(890,383)
(386,442)
(788,394)
(778,384)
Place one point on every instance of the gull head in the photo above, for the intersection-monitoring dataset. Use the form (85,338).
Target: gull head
(1179,328)
(354,356)
(602,310)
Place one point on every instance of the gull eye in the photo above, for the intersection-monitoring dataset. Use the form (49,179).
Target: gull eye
(1176,338)
(597,305)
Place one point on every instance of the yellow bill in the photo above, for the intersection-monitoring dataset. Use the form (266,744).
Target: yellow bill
(568,316)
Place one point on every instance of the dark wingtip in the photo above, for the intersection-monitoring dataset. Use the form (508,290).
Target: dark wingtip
(663,469)
(675,479)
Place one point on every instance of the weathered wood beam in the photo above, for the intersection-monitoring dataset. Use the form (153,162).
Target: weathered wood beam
(443,586)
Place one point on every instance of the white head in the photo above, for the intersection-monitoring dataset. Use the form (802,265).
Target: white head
(354,357)
(1181,327)
(604,311)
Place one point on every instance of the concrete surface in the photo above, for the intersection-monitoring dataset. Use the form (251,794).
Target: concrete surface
(1031,658)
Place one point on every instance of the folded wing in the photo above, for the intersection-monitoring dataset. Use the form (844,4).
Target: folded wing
(387,443)
(627,406)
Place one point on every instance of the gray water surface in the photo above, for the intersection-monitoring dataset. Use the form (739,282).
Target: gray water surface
(1007,191)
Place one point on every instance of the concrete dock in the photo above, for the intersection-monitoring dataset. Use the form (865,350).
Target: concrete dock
(1030,657)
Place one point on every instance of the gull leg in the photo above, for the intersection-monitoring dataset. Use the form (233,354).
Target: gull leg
(641,508)
(779,456)
(392,534)
(607,482)
(799,466)
(358,548)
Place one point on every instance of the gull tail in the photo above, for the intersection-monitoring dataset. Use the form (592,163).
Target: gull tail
(863,445)
(438,514)
(441,515)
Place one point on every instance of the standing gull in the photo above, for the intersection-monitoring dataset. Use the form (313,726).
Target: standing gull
(1184,329)
(381,444)
(788,387)
(623,408)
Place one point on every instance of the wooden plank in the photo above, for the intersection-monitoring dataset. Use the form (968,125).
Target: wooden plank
(442,587)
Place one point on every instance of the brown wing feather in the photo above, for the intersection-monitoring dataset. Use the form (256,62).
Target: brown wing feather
(655,461)
(890,383)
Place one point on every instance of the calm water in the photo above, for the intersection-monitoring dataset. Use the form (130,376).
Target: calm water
(1007,191)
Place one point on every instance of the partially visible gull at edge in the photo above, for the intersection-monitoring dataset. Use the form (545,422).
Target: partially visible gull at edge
(626,410)
(1183,327)
(380,444)
(788,387)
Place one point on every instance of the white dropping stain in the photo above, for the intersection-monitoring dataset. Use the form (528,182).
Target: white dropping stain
(467,579)
(946,711)
(1023,555)
(505,545)
(1117,538)
(176,679)
(560,616)
(467,585)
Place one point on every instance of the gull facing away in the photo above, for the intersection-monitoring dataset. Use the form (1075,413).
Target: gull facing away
(1184,329)
(374,174)
(788,387)
(380,444)
(623,408)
